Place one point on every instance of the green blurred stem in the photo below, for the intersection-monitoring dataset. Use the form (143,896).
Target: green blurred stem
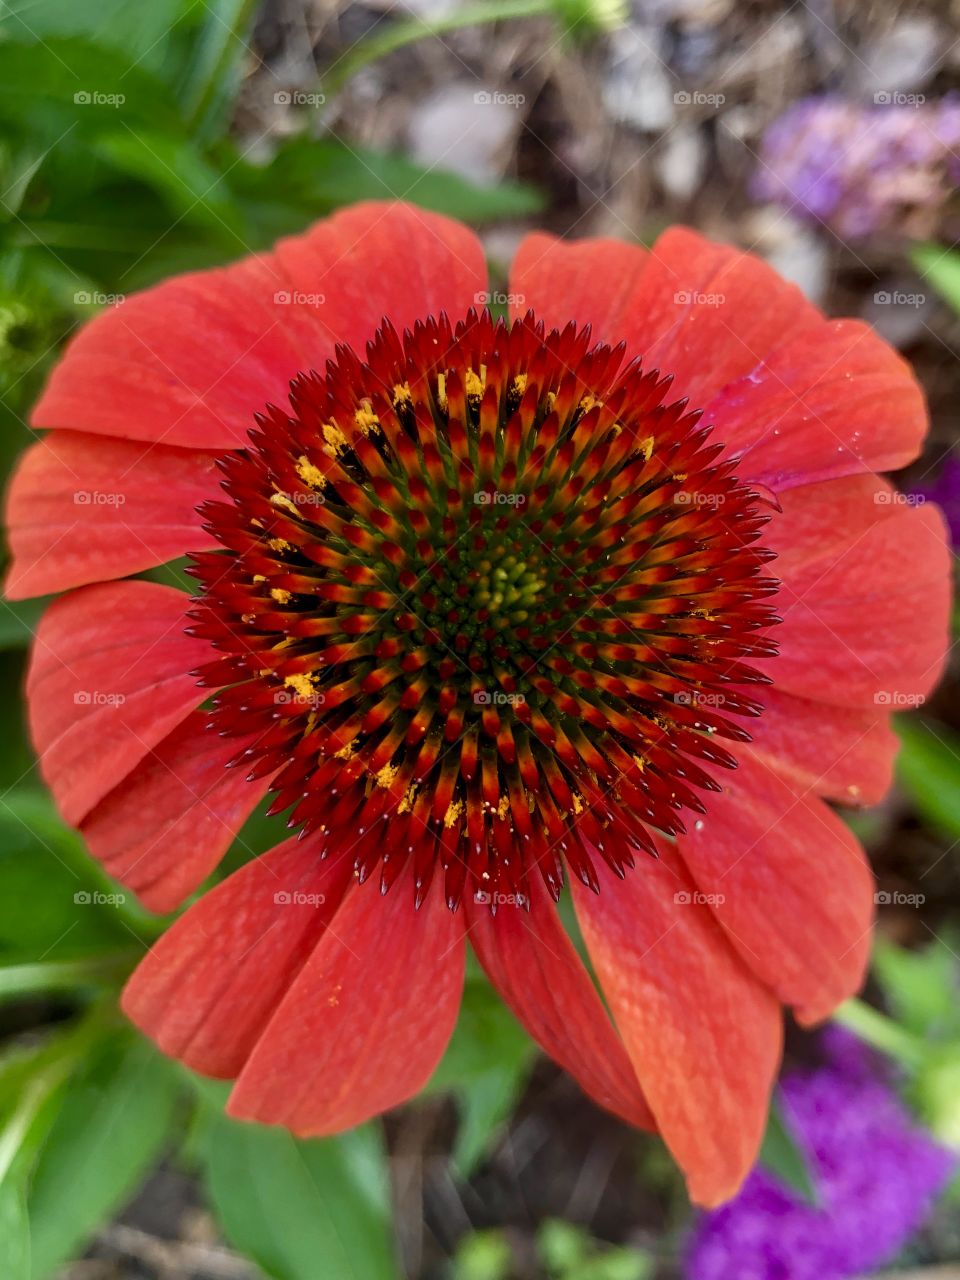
(65,975)
(215,57)
(400,34)
(881,1032)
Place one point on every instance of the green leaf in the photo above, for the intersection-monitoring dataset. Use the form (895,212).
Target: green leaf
(138,29)
(55,902)
(928,769)
(291,1205)
(941,267)
(485,1067)
(315,176)
(781,1155)
(18,621)
(111,1128)
(14,1232)
(920,987)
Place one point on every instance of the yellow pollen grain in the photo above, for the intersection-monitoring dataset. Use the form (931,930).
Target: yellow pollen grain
(679,475)
(310,473)
(401,393)
(476,382)
(280,595)
(281,500)
(258,577)
(503,808)
(345,752)
(365,419)
(406,804)
(453,814)
(442,391)
(646,448)
(334,437)
(248,618)
(300,683)
(588,403)
(278,544)
(577,802)
(639,762)
(387,775)
(519,384)
(549,400)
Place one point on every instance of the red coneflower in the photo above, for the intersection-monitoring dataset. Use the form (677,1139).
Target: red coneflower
(608,594)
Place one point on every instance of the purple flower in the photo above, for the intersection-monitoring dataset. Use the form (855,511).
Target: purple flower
(944,490)
(876,1175)
(889,168)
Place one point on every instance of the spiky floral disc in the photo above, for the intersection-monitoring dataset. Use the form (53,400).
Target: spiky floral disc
(485,598)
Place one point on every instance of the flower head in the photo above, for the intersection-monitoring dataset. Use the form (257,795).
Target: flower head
(875,1172)
(606,596)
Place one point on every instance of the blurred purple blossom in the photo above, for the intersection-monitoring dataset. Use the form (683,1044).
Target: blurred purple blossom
(876,1173)
(944,490)
(885,169)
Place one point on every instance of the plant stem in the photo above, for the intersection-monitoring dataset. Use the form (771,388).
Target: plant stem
(399,34)
(32,979)
(880,1032)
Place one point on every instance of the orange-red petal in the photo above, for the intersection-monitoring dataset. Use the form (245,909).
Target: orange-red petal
(791,886)
(190,361)
(108,681)
(531,961)
(804,398)
(211,984)
(164,828)
(367,1019)
(703,1033)
(84,508)
(865,596)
